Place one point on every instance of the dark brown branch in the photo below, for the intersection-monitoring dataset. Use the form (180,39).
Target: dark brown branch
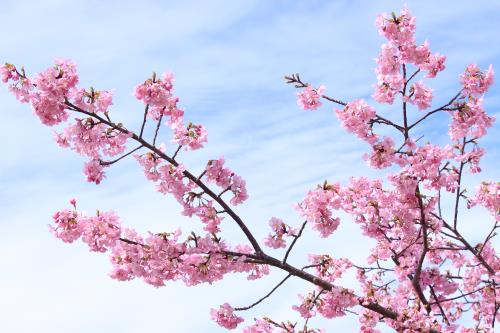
(157,129)
(144,120)
(186,173)
(264,297)
(121,157)
(296,237)
(441,108)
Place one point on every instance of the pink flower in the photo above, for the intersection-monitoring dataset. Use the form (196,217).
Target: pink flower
(398,30)
(279,230)
(225,317)
(389,62)
(387,87)
(470,120)
(260,326)
(382,155)
(228,180)
(488,196)
(94,171)
(8,72)
(310,98)
(101,232)
(474,81)
(355,118)
(66,227)
(420,95)
(192,137)
(433,65)
(316,208)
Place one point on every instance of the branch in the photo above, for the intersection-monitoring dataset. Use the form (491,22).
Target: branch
(436,110)
(298,83)
(294,241)
(266,296)
(157,129)
(121,157)
(144,120)
(186,174)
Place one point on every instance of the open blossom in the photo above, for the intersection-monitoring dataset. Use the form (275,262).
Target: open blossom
(225,316)
(433,65)
(476,82)
(470,120)
(355,117)
(399,30)
(420,95)
(335,302)
(329,268)
(316,208)
(208,215)
(472,158)
(306,307)
(260,326)
(387,87)
(488,196)
(155,91)
(94,171)
(192,136)
(92,101)
(382,154)
(66,226)
(279,230)
(8,72)
(310,98)
(52,87)
(100,232)
(389,61)
(226,179)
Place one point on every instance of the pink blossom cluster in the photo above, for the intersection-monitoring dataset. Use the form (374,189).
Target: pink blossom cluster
(192,136)
(402,50)
(383,154)
(156,258)
(329,304)
(225,317)
(92,101)
(99,232)
(310,98)
(157,95)
(355,118)
(328,268)
(316,208)
(469,120)
(51,94)
(488,196)
(278,230)
(476,82)
(420,95)
(227,180)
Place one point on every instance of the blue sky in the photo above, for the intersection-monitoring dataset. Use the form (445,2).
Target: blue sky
(229,58)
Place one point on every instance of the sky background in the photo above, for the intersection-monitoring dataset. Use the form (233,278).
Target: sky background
(229,58)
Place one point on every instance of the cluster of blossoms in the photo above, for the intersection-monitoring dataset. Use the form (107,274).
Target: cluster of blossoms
(157,95)
(156,258)
(278,230)
(52,93)
(310,98)
(401,49)
(100,232)
(227,180)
